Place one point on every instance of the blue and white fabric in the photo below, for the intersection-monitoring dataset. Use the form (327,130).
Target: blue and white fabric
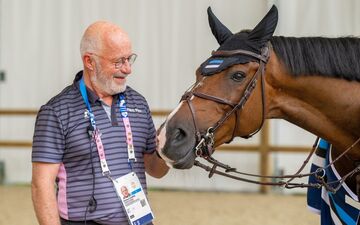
(334,209)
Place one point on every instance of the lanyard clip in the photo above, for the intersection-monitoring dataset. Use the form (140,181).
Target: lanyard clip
(132,160)
(107,174)
(131,152)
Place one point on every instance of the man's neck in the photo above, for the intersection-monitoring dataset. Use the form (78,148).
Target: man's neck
(106,98)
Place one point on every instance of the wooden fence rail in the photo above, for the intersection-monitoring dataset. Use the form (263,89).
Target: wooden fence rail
(263,148)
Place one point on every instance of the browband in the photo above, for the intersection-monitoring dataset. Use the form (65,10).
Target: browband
(263,57)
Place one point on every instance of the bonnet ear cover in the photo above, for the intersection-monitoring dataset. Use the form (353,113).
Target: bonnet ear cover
(263,32)
(218,29)
(252,41)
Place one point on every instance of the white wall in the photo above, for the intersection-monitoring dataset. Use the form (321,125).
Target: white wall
(39,50)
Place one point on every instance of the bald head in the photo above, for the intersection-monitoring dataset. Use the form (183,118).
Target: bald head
(103,37)
(103,47)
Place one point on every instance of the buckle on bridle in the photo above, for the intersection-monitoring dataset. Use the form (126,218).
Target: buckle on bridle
(206,144)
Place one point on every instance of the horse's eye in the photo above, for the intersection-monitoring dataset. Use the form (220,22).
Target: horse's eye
(238,76)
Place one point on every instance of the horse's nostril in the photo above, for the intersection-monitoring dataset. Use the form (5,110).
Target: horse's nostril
(180,134)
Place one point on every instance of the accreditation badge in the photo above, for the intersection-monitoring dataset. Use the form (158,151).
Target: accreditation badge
(133,198)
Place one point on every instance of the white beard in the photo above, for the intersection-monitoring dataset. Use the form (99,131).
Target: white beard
(106,84)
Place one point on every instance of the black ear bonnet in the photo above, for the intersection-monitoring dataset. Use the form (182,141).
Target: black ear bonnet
(249,40)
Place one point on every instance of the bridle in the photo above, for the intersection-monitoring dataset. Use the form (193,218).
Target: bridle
(205,142)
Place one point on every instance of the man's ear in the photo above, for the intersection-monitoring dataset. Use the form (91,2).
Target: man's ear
(88,62)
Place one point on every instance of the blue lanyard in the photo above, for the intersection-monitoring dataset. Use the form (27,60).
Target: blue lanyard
(124,116)
(86,100)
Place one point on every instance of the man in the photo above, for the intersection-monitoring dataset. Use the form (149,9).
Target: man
(124,192)
(95,131)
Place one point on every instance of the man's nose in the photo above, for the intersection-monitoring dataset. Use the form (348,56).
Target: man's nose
(126,67)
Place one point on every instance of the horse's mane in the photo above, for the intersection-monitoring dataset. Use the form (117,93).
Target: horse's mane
(332,57)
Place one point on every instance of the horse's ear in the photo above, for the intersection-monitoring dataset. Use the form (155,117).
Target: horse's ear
(263,32)
(219,30)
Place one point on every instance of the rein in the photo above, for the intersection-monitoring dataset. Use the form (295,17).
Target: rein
(319,173)
(205,142)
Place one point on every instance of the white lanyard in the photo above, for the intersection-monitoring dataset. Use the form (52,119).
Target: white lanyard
(126,121)
(96,135)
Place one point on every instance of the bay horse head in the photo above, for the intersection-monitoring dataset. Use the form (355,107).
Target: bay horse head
(312,82)
(227,99)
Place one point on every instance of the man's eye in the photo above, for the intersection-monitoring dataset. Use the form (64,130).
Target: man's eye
(238,76)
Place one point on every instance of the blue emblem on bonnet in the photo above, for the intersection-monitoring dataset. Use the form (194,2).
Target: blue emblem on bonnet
(214,63)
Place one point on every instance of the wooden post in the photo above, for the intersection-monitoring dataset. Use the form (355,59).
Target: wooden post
(264,156)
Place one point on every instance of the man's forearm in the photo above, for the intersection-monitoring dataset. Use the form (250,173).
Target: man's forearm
(43,193)
(45,206)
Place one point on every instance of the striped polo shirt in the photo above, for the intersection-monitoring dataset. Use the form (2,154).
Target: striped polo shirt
(61,136)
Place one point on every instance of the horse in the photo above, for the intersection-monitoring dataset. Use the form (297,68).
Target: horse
(312,82)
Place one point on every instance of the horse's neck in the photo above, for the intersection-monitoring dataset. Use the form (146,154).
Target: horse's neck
(326,107)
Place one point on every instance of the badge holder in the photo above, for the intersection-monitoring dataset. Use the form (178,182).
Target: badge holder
(133,198)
